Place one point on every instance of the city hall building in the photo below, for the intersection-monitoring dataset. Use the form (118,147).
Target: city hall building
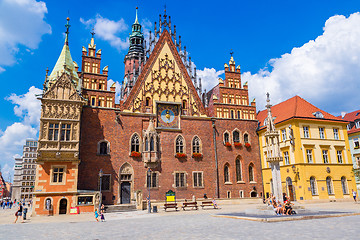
(166,133)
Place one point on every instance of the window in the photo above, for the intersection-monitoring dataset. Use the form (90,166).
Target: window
(286,158)
(241,193)
(58,174)
(226,137)
(339,156)
(53,132)
(246,138)
(238,115)
(109,103)
(218,112)
(147,102)
(251,173)
(102,85)
(329,186)
(283,134)
(198,179)
(318,114)
(85,200)
(236,136)
(336,134)
(65,132)
(356,143)
(313,186)
(226,174)
(322,133)
(179,148)
(151,143)
(225,99)
(135,143)
(344,185)
(103,148)
(93,101)
(309,155)
(180,179)
(152,180)
(238,170)
(306,132)
(93,84)
(196,145)
(105,182)
(325,156)
(232,113)
(357,123)
(146,144)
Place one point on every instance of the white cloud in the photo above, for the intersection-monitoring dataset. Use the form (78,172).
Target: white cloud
(109,30)
(21,25)
(324,71)
(117,89)
(27,105)
(209,77)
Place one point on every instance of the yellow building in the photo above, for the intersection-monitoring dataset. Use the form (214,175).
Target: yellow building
(315,149)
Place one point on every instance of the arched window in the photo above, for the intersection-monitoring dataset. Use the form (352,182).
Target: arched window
(226,174)
(238,170)
(48,204)
(103,148)
(151,143)
(179,144)
(184,104)
(146,144)
(232,114)
(196,145)
(236,136)
(313,186)
(246,138)
(251,172)
(329,186)
(226,137)
(147,102)
(135,143)
(344,185)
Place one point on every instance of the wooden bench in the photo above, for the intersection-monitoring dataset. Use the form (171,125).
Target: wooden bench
(207,204)
(170,205)
(189,204)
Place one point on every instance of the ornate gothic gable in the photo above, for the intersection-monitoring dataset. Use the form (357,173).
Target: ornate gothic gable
(164,78)
(62,89)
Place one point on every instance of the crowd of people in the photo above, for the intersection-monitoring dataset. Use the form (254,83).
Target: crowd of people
(285,208)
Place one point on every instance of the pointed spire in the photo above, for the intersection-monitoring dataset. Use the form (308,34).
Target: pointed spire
(92,42)
(136,19)
(67,25)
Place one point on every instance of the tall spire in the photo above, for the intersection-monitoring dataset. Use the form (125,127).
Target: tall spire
(136,19)
(67,25)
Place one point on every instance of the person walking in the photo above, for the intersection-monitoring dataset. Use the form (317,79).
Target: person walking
(354,193)
(18,213)
(102,212)
(96,215)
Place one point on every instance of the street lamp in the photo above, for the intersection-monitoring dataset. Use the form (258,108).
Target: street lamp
(295,171)
(100,176)
(148,182)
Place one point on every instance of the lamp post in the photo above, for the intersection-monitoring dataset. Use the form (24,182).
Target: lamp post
(296,172)
(100,176)
(148,182)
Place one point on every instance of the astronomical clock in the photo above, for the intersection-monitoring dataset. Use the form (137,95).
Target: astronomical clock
(168,115)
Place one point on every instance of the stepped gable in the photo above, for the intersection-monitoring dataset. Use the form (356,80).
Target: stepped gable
(295,107)
(135,93)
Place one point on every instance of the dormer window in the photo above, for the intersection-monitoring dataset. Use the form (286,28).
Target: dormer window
(357,123)
(318,114)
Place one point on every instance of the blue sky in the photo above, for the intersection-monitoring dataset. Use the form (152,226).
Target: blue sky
(309,48)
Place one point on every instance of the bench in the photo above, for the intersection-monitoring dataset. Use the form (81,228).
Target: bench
(207,204)
(189,204)
(170,205)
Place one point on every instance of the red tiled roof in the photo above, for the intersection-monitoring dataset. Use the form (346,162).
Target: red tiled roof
(351,117)
(295,107)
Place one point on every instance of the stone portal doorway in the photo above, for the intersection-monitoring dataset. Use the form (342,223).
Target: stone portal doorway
(290,189)
(63,206)
(126,183)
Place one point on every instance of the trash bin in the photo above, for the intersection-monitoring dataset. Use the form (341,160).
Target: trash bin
(24,213)
(154,209)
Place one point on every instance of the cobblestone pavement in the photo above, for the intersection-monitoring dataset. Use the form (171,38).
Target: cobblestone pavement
(183,225)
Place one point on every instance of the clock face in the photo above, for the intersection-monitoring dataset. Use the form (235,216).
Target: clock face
(167,115)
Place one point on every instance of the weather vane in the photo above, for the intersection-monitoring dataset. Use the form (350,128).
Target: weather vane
(231,52)
(92,33)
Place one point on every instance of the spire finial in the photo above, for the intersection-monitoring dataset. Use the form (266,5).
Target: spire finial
(67,31)
(231,52)
(136,19)
(165,10)
(92,33)
(92,42)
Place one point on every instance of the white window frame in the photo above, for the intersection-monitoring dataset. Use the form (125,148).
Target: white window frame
(309,156)
(336,133)
(306,132)
(286,158)
(197,183)
(325,156)
(339,156)
(283,134)
(322,132)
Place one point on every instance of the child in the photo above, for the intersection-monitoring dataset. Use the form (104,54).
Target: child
(214,203)
(96,215)
(102,216)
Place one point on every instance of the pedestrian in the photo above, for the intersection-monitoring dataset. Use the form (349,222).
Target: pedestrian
(193,198)
(11,203)
(18,213)
(96,215)
(354,194)
(102,211)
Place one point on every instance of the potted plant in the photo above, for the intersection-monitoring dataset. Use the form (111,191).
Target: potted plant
(180,155)
(135,154)
(228,144)
(247,145)
(197,155)
(237,144)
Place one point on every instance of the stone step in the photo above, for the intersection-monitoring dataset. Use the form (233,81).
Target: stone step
(120,208)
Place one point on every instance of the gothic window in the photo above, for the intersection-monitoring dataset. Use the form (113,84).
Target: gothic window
(184,104)
(53,131)
(151,143)
(147,102)
(329,186)
(226,137)
(344,185)
(135,143)
(103,148)
(251,172)
(238,170)
(179,144)
(232,114)
(238,114)
(236,136)
(146,144)
(226,174)
(65,132)
(196,145)
(93,101)
(152,180)
(93,84)
(246,138)
(180,179)
(313,186)
(198,179)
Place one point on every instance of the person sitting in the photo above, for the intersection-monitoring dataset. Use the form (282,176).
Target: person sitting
(288,207)
(205,197)
(214,203)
